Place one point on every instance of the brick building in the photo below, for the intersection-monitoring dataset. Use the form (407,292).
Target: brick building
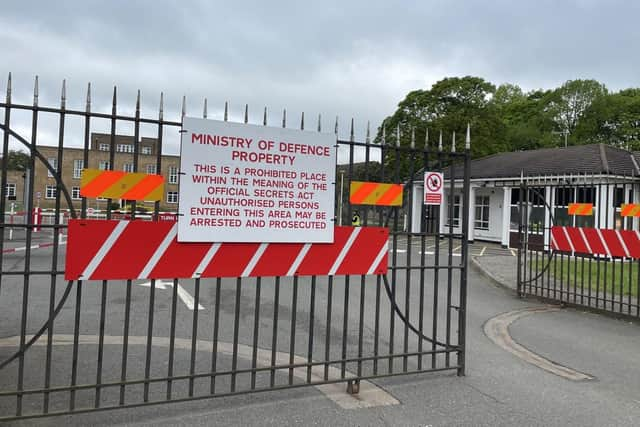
(99,153)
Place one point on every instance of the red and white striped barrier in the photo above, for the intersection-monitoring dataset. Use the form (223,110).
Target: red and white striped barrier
(117,250)
(39,246)
(596,241)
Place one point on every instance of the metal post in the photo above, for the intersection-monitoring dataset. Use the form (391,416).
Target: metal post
(341,199)
(464,254)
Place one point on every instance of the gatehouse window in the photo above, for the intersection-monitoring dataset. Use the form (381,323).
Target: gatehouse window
(456,210)
(481,221)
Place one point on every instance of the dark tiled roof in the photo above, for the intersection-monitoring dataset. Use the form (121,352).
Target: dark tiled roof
(579,159)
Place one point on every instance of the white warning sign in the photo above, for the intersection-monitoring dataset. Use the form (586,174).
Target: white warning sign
(433,188)
(248,183)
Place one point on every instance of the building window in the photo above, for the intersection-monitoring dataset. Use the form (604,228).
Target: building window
(124,148)
(10,190)
(173,174)
(127,167)
(535,199)
(51,192)
(53,162)
(103,165)
(481,221)
(456,210)
(103,147)
(172,197)
(75,193)
(78,165)
(151,168)
(145,149)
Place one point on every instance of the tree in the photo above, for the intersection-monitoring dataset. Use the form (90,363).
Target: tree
(448,106)
(613,119)
(568,103)
(17,160)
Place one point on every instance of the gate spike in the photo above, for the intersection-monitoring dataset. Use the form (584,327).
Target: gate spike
(246,113)
(138,103)
(467,141)
(453,142)
(88,107)
(413,137)
(440,142)
(115,100)
(204,109)
(35,93)
(351,139)
(426,139)
(367,138)
(335,129)
(226,110)
(8,96)
(319,122)
(184,106)
(284,118)
(264,119)
(398,135)
(63,94)
(161,113)
(302,121)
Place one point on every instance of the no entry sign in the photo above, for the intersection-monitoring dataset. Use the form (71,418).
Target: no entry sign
(433,188)
(248,183)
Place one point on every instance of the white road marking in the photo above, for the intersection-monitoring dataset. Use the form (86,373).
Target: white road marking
(484,248)
(497,330)
(185,296)
(513,252)
(370,395)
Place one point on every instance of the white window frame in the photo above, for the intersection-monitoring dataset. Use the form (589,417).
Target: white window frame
(50,192)
(124,148)
(78,165)
(103,165)
(10,189)
(173,174)
(75,193)
(479,223)
(457,203)
(145,149)
(172,197)
(127,167)
(53,162)
(151,168)
(103,147)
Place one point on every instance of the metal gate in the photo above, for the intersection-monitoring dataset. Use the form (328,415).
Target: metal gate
(80,346)
(578,241)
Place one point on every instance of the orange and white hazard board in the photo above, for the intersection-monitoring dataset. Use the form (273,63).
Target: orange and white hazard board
(112,250)
(121,185)
(375,194)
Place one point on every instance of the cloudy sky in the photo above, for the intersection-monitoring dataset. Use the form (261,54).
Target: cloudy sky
(348,59)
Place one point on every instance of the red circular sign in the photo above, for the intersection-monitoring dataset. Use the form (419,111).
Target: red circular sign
(434,182)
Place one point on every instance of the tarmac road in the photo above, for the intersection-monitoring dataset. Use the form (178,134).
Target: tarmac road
(499,389)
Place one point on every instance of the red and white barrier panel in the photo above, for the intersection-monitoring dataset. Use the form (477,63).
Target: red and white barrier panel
(596,241)
(116,250)
(24,248)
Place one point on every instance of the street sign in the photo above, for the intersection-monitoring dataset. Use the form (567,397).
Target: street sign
(90,211)
(248,183)
(433,188)
(38,195)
